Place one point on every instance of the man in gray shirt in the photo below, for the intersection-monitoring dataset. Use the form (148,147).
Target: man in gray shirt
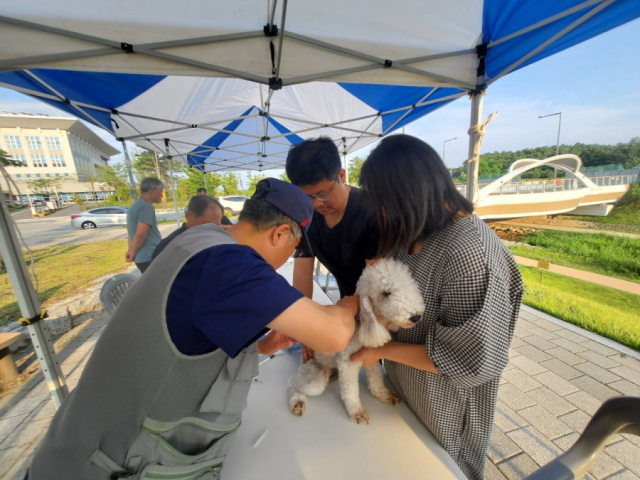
(142,226)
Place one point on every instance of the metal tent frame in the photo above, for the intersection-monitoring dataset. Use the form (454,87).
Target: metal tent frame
(162,143)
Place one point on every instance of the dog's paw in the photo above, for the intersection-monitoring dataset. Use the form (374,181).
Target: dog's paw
(391,399)
(299,407)
(361,417)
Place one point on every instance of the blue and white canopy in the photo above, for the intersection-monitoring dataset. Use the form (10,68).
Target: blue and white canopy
(231,85)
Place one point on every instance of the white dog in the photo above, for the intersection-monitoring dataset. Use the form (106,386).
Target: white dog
(389,300)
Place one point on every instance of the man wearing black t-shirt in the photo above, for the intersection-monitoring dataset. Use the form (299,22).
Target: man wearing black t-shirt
(343,234)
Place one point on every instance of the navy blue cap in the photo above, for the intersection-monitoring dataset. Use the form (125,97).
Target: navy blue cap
(289,199)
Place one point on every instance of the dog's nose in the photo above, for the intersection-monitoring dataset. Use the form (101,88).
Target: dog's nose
(415,318)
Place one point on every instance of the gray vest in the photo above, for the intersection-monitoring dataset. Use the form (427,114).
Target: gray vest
(143,410)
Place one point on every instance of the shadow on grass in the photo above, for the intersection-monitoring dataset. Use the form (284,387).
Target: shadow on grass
(11,311)
(40,258)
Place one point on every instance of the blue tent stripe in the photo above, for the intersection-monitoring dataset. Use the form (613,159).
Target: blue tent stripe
(106,90)
(294,139)
(503,17)
(195,157)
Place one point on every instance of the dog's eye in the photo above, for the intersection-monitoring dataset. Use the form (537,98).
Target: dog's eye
(386,293)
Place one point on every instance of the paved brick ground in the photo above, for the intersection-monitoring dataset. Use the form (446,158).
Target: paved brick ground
(557,377)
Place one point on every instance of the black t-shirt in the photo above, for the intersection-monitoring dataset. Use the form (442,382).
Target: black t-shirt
(166,241)
(344,248)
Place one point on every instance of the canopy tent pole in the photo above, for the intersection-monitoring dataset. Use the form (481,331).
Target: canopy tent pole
(473,164)
(344,155)
(132,183)
(30,308)
(204,174)
(173,182)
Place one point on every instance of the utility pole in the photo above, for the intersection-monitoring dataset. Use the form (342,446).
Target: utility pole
(155,162)
(444,147)
(559,114)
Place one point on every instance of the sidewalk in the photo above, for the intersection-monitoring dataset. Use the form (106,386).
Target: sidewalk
(557,377)
(602,280)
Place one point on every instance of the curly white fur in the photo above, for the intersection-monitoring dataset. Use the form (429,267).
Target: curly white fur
(390,299)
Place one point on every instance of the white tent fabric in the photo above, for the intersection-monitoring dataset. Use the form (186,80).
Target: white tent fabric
(400,30)
(232,85)
(138,70)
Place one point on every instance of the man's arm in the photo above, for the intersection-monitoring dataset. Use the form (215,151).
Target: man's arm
(325,328)
(303,275)
(138,240)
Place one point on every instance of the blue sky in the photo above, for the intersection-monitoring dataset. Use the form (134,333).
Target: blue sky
(596,86)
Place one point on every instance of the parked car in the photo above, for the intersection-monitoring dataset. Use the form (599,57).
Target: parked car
(99,217)
(232,204)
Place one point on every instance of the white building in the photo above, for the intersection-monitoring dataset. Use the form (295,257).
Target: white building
(54,147)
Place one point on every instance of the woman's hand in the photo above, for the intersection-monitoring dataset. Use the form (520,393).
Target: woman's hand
(368,356)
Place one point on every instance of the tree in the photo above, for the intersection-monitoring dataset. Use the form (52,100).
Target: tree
(46,186)
(193,179)
(355,166)
(144,165)
(116,177)
(7,161)
(229,182)
(284,178)
(253,181)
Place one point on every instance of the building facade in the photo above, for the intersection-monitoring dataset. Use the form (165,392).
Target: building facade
(60,157)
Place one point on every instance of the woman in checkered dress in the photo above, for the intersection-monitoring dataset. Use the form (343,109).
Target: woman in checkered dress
(472,290)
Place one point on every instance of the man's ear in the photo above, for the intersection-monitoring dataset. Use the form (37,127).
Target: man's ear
(279,234)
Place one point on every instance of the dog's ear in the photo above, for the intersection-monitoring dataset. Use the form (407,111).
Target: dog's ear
(371,333)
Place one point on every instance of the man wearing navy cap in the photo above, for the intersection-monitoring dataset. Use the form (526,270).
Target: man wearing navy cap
(164,389)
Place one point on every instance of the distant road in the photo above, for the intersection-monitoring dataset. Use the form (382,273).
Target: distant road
(56,229)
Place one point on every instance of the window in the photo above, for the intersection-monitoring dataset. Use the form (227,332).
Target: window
(47,175)
(28,175)
(13,141)
(18,176)
(22,159)
(53,143)
(57,175)
(39,160)
(38,175)
(58,161)
(66,175)
(33,142)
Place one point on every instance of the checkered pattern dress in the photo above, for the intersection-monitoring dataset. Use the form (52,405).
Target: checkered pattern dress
(472,290)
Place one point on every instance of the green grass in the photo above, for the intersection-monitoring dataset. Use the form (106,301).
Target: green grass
(64,271)
(608,312)
(626,211)
(610,255)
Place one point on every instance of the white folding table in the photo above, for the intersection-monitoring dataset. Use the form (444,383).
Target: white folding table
(273,444)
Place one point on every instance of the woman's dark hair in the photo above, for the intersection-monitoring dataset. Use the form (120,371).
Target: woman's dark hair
(412,190)
(313,161)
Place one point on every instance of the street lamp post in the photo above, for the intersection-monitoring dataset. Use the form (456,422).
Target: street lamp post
(557,142)
(444,147)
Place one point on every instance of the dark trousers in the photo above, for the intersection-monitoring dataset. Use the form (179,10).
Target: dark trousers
(143,266)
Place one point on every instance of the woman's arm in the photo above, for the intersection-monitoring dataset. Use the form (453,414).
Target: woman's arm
(415,356)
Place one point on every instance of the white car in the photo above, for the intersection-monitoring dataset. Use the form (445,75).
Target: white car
(99,217)
(232,204)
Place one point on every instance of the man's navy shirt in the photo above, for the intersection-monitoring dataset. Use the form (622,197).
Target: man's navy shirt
(224,297)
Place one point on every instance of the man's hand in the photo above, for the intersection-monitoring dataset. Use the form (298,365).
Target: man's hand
(307,353)
(130,256)
(368,356)
(273,342)
(352,303)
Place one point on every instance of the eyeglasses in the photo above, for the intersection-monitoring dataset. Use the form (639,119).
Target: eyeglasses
(325,197)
